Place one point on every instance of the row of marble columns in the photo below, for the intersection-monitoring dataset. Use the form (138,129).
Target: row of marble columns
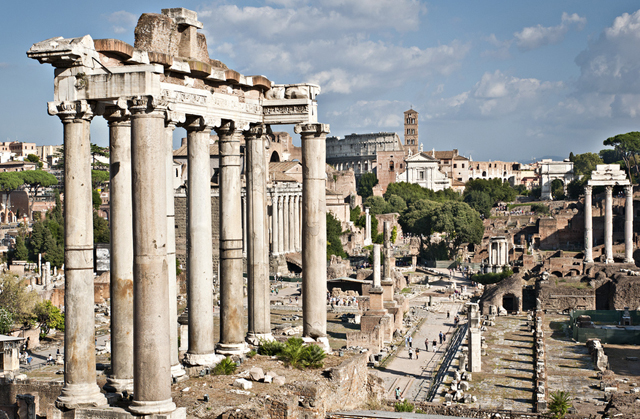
(143,284)
(358,167)
(608,224)
(286,234)
(498,252)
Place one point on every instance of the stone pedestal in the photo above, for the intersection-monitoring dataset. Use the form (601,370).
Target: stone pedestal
(314,234)
(387,287)
(80,388)
(121,273)
(231,282)
(199,246)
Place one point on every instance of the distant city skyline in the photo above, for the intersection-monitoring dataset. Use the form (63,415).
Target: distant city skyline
(498,80)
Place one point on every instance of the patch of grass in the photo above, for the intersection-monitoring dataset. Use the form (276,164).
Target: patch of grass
(270,347)
(406,290)
(403,406)
(225,367)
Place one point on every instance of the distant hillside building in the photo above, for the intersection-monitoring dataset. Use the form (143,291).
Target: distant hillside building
(424,170)
(358,152)
(411,139)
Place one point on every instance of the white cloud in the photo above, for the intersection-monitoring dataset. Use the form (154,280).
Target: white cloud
(538,36)
(122,21)
(382,115)
(501,51)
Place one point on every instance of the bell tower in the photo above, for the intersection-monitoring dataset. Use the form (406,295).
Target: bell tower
(411,131)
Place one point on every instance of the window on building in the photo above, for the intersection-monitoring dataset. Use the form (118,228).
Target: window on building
(455,166)
(391,166)
(463,165)
(421,175)
(401,165)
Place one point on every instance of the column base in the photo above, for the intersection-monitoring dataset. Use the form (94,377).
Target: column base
(588,260)
(139,407)
(232,348)
(608,261)
(255,338)
(630,260)
(177,371)
(202,360)
(111,413)
(74,396)
(118,385)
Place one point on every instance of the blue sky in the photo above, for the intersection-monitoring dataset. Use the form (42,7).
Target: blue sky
(498,80)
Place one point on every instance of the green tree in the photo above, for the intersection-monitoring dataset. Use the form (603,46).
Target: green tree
(498,190)
(96,199)
(409,192)
(98,151)
(34,159)
(53,250)
(48,316)
(20,251)
(365,184)
(394,234)
(334,231)
(585,163)
(34,180)
(15,298)
(396,204)
(99,178)
(101,232)
(377,205)
(557,190)
(560,404)
(609,156)
(628,146)
(479,201)
(6,321)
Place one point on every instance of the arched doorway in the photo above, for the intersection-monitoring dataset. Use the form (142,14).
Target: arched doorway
(510,303)
(275,157)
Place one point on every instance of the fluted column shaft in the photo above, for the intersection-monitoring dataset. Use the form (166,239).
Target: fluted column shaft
(291,217)
(608,224)
(275,237)
(199,245)
(257,246)
(588,225)
(80,388)
(231,282)
(314,229)
(281,229)
(121,261)
(628,224)
(152,342)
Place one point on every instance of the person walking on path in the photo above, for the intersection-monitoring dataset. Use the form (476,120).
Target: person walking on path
(440,337)
(411,353)
(448,314)
(434,345)
(398,393)
(406,341)
(410,341)
(444,337)
(417,352)
(426,344)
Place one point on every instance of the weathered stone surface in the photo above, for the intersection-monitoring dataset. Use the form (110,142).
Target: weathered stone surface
(256,374)
(243,384)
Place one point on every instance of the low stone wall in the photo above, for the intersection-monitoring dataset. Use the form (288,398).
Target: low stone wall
(45,392)
(458,410)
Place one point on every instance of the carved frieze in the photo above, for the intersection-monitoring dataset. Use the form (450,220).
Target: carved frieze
(286,110)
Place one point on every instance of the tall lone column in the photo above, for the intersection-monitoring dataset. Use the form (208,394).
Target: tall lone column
(588,225)
(314,229)
(257,246)
(608,225)
(152,341)
(172,119)
(121,260)
(80,388)
(628,224)
(292,223)
(231,281)
(275,237)
(287,222)
(386,268)
(199,247)
(367,224)
(376,266)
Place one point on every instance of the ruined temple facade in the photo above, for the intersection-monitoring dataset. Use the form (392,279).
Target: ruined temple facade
(167,80)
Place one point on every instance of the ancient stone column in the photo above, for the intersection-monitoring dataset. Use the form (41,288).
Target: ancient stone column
(257,246)
(121,258)
(199,247)
(292,223)
(152,342)
(367,238)
(244,225)
(628,224)
(314,229)
(608,225)
(274,225)
(296,223)
(281,229)
(475,339)
(172,118)
(231,281)
(386,273)
(588,226)
(376,266)
(80,388)
(286,223)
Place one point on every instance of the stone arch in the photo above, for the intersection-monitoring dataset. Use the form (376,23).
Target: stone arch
(573,272)
(275,157)
(484,173)
(511,302)
(557,274)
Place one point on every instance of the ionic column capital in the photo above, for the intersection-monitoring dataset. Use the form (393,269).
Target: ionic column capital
(139,105)
(312,129)
(70,110)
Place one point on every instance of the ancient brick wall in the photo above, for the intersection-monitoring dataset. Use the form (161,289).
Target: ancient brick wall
(46,393)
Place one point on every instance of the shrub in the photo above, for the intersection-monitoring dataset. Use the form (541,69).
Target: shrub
(491,278)
(313,356)
(292,352)
(251,354)
(270,347)
(403,406)
(225,367)
(560,404)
